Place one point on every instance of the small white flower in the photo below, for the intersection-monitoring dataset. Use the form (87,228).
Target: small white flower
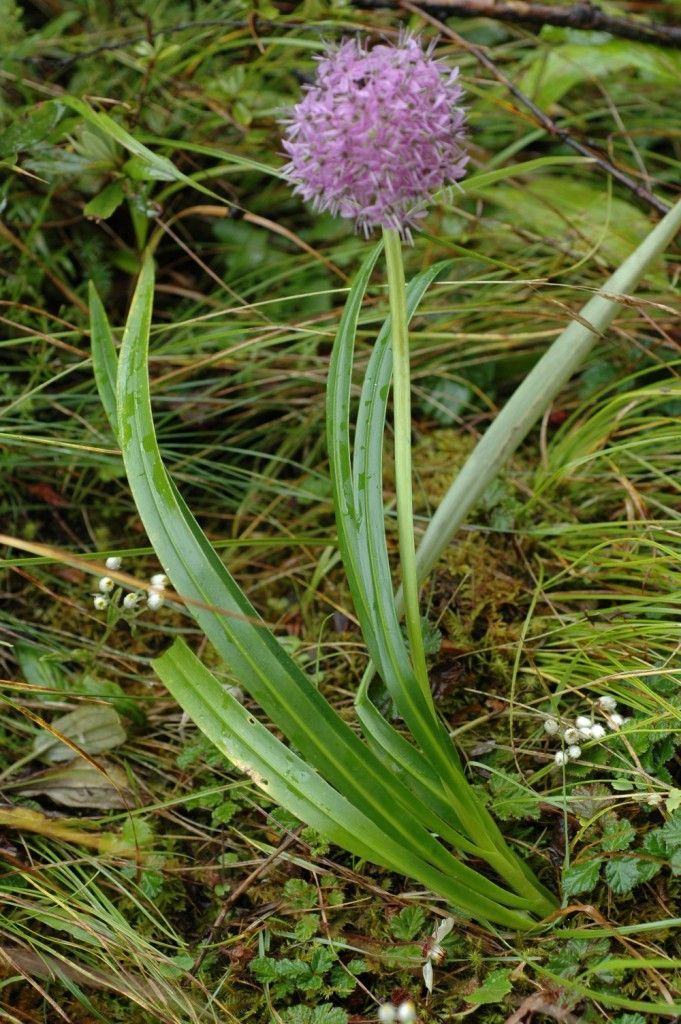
(571,735)
(386,1013)
(436,953)
(130,601)
(615,721)
(100,602)
(154,601)
(159,581)
(582,722)
(551,726)
(597,732)
(586,732)
(561,758)
(607,703)
(574,752)
(114,563)
(106,584)
(406,1012)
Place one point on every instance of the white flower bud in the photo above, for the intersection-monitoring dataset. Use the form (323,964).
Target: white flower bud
(159,581)
(586,733)
(607,703)
(615,721)
(551,726)
(100,602)
(406,1012)
(561,758)
(574,752)
(106,584)
(130,601)
(571,735)
(154,601)
(386,1013)
(114,563)
(582,722)
(597,732)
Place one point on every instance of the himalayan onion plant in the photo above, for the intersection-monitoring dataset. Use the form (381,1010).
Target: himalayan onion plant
(378,134)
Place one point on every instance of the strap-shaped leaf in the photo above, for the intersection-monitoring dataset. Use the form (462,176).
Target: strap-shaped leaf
(360,521)
(232,625)
(104,358)
(287,779)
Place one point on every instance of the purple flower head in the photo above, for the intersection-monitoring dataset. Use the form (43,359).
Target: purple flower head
(377,134)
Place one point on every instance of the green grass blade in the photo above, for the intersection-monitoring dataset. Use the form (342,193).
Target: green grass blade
(160,167)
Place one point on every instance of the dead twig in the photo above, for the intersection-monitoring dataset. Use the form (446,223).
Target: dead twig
(583,15)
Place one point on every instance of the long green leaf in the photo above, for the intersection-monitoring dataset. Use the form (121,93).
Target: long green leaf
(370,584)
(234,628)
(286,778)
(361,531)
(104,359)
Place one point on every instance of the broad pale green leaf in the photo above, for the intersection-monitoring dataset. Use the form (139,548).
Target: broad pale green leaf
(39,670)
(555,71)
(79,784)
(93,728)
(576,210)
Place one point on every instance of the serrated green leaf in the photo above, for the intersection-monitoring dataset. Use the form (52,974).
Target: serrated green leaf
(654,843)
(581,877)
(264,968)
(307,927)
(671,831)
(622,874)
(618,834)
(408,923)
(494,989)
(300,894)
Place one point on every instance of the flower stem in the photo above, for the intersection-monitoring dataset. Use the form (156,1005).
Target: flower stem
(403,476)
